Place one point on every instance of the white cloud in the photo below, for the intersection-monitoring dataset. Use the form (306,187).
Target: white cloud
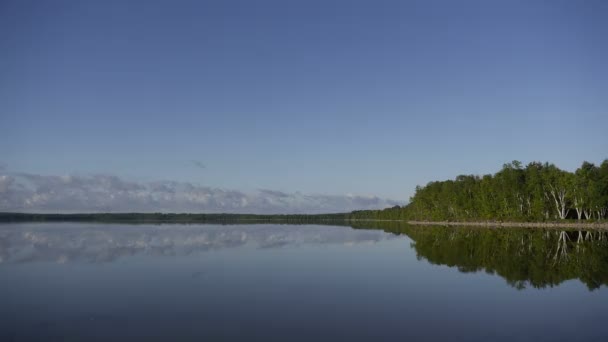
(25,192)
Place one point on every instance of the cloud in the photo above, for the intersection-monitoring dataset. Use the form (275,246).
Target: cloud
(198,164)
(26,192)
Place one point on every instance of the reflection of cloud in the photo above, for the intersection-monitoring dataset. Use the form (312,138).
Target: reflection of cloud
(27,192)
(62,243)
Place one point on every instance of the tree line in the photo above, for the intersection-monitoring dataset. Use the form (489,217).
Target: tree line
(173,218)
(536,192)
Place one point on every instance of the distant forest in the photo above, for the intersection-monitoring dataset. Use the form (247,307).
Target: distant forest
(536,192)
(173,218)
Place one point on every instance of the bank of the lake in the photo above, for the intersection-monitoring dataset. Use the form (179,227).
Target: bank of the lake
(492,224)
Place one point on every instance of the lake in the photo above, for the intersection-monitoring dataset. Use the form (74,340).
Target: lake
(74,281)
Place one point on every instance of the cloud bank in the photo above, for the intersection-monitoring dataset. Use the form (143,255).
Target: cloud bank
(26,192)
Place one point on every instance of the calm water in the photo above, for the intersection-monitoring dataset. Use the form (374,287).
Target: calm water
(279,282)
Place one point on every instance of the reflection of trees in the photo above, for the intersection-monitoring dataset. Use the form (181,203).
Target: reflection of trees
(524,257)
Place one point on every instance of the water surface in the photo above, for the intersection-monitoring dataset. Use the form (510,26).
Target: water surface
(72,281)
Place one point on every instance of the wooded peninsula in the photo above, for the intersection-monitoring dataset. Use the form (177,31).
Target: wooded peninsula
(539,194)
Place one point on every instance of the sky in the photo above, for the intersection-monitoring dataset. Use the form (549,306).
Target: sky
(348,100)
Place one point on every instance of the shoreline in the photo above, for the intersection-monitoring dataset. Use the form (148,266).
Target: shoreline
(335,218)
(498,224)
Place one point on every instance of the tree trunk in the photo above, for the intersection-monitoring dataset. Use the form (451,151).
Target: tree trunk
(559,197)
(588,214)
(578,205)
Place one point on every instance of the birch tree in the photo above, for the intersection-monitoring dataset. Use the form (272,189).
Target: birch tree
(559,188)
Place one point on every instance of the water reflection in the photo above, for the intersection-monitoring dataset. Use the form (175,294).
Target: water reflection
(276,283)
(62,243)
(524,257)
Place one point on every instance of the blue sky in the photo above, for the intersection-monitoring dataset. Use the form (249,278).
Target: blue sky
(325,97)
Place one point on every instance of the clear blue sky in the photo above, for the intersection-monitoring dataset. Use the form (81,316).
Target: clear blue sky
(336,97)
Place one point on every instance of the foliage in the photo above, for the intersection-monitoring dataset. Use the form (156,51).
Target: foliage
(536,192)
